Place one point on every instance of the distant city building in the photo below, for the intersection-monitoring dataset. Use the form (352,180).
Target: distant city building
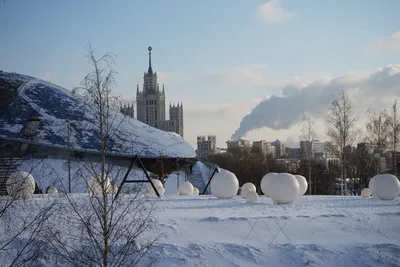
(231,144)
(280,150)
(206,146)
(319,149)
(128,110)
(264,147)
(293,153)
(151,105)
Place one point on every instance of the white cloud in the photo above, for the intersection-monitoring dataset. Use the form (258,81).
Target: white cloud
(376,89)
(250,75)
(390,44)
(272,12)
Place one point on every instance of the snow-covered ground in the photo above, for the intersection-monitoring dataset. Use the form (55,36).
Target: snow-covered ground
(317,231)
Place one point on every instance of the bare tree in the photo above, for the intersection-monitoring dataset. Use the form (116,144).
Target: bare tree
(22,218)
(393,122)
(378,132)
(102,230)
(341,130)
(309,132)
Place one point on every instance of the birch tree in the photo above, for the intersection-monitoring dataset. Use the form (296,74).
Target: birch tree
(308,131)
(341,130)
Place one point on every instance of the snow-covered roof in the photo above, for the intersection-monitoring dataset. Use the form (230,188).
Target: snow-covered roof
(55,106)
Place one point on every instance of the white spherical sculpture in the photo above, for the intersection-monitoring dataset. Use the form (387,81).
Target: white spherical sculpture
(249,186)
(365,192)
(51,190)
(224,185)
(244,191)
(252,196)
(302,184)
(265,180)
(95,188)
(196,191)
(371,184)
(160,190)
(283,188)
(20,185)
(385,186)
(157,182)
(185,189)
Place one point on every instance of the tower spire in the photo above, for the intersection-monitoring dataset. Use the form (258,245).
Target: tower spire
(150,69)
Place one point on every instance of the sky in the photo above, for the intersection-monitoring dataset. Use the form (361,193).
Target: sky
(242,68)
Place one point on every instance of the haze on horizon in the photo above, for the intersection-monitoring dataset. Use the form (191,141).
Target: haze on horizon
(241,68)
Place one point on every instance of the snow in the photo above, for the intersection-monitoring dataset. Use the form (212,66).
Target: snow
(317,231)
(55,106)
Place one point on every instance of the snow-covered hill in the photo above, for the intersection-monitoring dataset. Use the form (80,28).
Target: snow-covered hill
(55,106)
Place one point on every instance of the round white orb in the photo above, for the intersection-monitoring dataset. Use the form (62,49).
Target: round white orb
(365,192)
(249,186)
(224,185)
(160,190)
(386,187)
(302,184)
(51,190)
(157,182)
(265,180)
(185,189)
(371,184)
(244,192)
(196,191)
(20,185)
(283,188)
(95,188)
(252,196)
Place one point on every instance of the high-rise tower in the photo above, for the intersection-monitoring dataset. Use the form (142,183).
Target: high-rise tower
(150,104)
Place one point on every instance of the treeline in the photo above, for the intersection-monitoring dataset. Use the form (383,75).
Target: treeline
(348,170)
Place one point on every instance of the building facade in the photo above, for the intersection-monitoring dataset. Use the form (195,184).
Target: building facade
(128,110)
(206,146)
(280,151)
(150,102)
(264,147)
(232,144)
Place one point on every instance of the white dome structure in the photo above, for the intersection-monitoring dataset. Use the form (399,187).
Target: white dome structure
(303,185)
(283,188)
(185,189)
(385,186)
(20,184)
(224,185)
(51,190)
(252,196)
(244,191)
(94,186)
(160,190)
(265,180)
(365,192)
(196,191)
(249,186)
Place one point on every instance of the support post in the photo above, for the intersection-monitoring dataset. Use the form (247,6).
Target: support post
(125,177)
(147,175)
(209,181)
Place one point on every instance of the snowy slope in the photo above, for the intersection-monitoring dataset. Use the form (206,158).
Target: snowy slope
(55,106)
(317,231)
(323,231)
